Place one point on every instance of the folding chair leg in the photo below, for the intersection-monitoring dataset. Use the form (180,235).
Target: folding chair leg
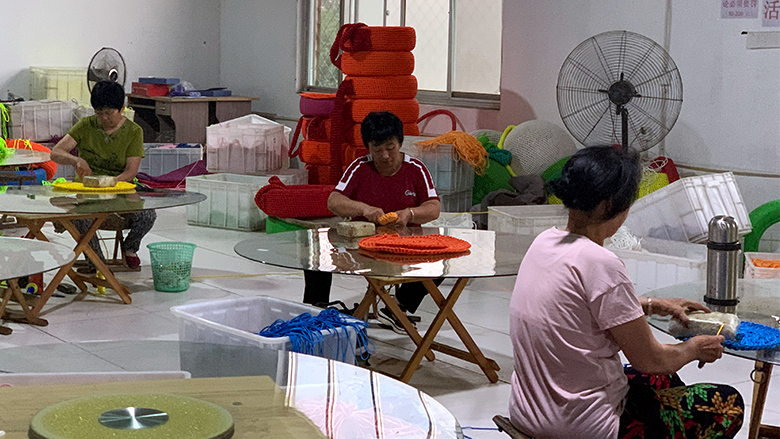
(504,425)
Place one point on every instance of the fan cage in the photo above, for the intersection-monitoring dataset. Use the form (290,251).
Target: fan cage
(101,65)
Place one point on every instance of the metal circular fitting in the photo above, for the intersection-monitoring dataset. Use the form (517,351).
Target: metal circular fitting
(133,418)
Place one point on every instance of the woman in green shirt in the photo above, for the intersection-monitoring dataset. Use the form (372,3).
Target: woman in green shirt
(108,144)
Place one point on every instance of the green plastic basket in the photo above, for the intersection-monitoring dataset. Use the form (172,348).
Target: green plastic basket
(171,265)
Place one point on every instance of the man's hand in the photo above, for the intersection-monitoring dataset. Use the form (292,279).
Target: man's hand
(404,217)
(82,168)
(676,308)
(372,213)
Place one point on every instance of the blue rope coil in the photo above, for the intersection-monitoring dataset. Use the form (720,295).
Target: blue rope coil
(329,329)
(753,337)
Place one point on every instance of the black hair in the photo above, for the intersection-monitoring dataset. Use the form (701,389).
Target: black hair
(596,174)
(380,126)
(107,94)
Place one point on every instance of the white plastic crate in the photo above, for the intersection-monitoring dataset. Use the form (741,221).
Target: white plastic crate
(527,220)
(231,199)
(452,220)
(248,145)
(450,174)
(162,161)
(59,83)
(237,322)
(682,210)
(663,263)
(753,272)
(39,121)
(457,202)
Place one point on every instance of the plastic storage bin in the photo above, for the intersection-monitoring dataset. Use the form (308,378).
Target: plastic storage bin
(663,263)
(450,174)
(237,322)
(457,202)
(527,220)
(753,272)
(247,145)
(39,121)
(59,83)
(171,265)
(231,199)
(162,161)
(682,210)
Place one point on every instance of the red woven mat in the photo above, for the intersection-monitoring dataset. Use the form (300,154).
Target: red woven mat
(414,245)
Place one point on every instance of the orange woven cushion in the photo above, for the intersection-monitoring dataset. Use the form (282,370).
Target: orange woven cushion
(408,110)
(414,245)
(316,128)
(353,152)
(389,38)
(355,138)
(377,63)
(314,152)
(318,174)
(381,87)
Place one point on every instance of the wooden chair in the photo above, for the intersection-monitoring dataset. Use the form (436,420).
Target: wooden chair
(504,425)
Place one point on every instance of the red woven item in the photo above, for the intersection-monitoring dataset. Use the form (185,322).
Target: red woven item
(410,259)
(353,152)
(381,87)
(316,104)
(377,63)
(314,152)
(298,201)
(316,128)
(49,166)
(358,37)
(318,174)
(355,138)
(666,165)
(414,245)
(406,109)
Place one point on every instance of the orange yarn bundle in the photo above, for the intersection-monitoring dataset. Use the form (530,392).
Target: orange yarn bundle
(468,147)
(377,63)
(414,245)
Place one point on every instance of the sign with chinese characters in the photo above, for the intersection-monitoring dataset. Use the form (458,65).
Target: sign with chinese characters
(739,8)
(771,13)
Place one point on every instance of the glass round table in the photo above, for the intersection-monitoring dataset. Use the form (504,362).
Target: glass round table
(341,400)
(491,254)
(759,302)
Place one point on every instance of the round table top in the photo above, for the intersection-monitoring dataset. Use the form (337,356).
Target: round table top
(491,254)
(35,199)
(317,387)
(759,302)
(22,257)
(21,157)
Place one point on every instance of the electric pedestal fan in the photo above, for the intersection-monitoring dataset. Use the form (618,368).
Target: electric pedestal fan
(106,65)
(619,87)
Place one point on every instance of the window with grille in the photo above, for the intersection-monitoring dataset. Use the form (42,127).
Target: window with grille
(458,52)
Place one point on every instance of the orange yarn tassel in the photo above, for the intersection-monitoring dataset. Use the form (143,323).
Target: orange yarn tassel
(468,147)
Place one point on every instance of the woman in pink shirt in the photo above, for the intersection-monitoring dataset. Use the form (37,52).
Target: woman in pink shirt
(574,308)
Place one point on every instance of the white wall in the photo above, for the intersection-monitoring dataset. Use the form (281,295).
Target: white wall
(258,53)
(175,38)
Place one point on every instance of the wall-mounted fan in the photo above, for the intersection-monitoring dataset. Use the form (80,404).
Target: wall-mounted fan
(619,87)
(106,65)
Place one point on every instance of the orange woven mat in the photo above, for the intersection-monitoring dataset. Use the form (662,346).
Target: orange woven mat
(414,245)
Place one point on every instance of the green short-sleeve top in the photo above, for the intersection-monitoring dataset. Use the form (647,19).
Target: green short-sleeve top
(107,154)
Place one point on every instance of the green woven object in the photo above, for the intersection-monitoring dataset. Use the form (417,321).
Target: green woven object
(171,265)
(276,225)
(554,171)
(496,177)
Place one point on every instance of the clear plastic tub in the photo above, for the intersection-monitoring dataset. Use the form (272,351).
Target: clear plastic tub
(457,202)
(231,199)
(59,83)
(39,121)
(249,145)
(682,210)
(753,272)
(450,174)
(527,220)
(162,161)
(237,322)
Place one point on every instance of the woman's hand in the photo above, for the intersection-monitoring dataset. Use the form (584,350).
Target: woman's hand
(82,168)
(676,308)
(706,348)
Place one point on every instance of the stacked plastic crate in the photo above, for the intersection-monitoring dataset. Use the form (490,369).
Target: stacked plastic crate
(244,153)
(378,64)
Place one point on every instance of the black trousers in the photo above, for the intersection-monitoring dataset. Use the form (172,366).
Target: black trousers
(317,290)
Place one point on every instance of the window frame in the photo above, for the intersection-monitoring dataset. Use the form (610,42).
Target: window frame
(447,98)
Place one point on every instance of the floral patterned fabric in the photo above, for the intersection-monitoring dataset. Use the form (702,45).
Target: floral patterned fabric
(662,406)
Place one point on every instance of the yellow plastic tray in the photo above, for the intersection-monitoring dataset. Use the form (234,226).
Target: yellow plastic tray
(74,186)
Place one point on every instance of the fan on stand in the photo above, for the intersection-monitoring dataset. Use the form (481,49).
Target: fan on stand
(106,65)
(619,87)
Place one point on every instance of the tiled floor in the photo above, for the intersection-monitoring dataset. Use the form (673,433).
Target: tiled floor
(219,273)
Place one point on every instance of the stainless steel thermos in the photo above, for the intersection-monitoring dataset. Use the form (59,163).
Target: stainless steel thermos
(723,249)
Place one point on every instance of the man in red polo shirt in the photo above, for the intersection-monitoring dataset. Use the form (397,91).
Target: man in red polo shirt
(384,181)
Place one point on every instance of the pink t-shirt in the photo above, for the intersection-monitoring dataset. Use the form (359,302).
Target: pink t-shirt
(568,380)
